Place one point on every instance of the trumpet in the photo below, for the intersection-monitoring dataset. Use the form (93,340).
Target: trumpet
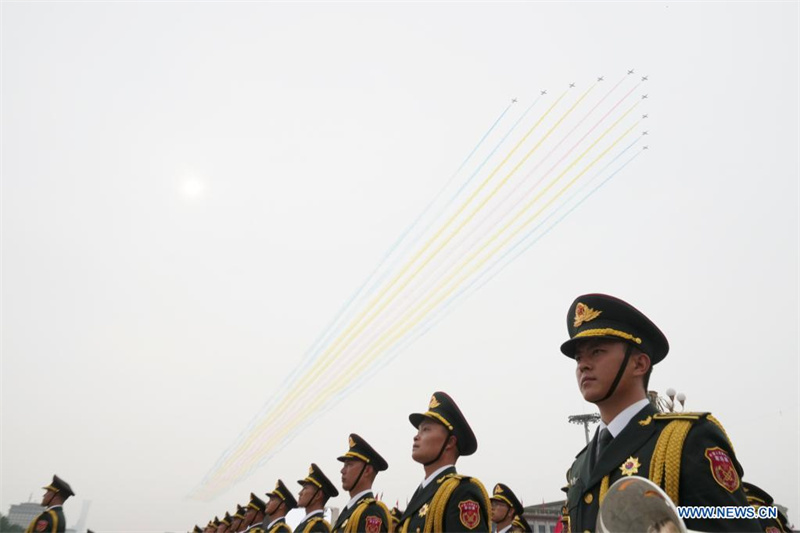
(636,504)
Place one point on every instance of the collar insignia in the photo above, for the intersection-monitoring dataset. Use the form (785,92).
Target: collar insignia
(424,510)
(584,313)
(630,466)
(646,421)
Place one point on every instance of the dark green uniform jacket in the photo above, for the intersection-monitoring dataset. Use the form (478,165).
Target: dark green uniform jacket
(687,454)
(366,515)
(314,524)
(449,503)
(50,521)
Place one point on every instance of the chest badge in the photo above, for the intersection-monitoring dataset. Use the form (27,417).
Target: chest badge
(630,466)
(424,510)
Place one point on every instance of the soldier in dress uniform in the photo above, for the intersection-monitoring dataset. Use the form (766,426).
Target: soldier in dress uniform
(505,506)
(615,347)
(758,497)
(254,515)
(363,512)
(317,490)
(281,501)
(444,501)
(52,520)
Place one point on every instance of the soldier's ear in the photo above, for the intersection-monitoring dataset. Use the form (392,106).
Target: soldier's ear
(452,441)
(641,363)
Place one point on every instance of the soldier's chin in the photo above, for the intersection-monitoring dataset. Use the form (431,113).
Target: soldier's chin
(590,394)
(417,456)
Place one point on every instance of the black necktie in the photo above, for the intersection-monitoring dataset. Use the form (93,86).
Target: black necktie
(603,441)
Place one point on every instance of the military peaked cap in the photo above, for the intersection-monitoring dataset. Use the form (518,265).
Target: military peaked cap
(257,503)
(280,491)
(362,451)
(756,494)
(444,410)
(240,512)
(520,523)
(504,494)
(395,514)
(60,486)
(605,317)
(318,479)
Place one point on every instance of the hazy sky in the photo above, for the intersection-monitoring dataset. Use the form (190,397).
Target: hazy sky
(191,191)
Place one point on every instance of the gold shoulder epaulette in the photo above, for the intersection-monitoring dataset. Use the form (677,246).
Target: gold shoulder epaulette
(314,521)
(486,501)
(363,505)
(680,416)
(435,521)
(451,475)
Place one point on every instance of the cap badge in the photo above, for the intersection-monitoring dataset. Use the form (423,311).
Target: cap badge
(498,489)
(434,403)
(310,470)
(352,443)
(584,313)
(630,466)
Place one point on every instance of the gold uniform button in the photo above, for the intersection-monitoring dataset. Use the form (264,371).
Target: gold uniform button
(588,498)
(586,531)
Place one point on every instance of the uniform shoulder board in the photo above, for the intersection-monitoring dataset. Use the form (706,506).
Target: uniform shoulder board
(469,479)
(680,416)
(451,475)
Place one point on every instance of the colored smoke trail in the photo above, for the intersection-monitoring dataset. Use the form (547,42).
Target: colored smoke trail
(452,249)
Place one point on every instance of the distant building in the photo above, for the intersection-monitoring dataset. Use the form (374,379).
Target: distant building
(543,517)
(22,514)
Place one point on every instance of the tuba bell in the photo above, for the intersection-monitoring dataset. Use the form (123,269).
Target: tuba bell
(636,504)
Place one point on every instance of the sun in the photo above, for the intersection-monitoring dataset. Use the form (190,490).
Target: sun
(193,188)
